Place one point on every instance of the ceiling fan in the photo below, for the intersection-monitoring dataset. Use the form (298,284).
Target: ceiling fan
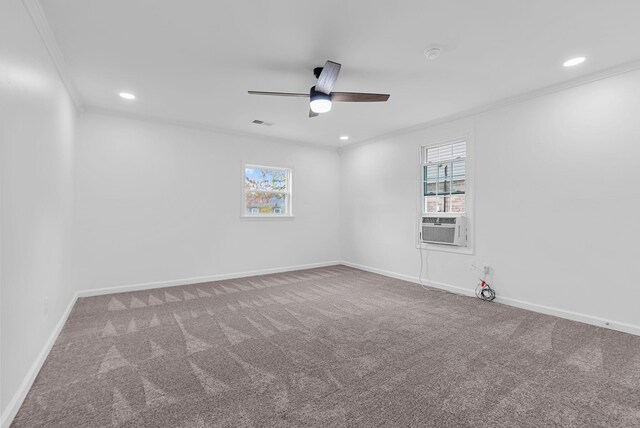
(320,95)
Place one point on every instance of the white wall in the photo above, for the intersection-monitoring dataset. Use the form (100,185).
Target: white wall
(160,203)
(556,201)
(37,160)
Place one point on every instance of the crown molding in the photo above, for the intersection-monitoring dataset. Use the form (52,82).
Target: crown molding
(202,127)
(504,102)
(35,11)
(41,23)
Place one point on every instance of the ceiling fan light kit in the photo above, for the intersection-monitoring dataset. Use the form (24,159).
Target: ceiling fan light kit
(319,102)
(321,95)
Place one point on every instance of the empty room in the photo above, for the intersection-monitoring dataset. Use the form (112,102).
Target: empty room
(345,213)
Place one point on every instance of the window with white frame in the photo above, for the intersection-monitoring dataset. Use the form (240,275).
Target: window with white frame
(267,191)
(444,177)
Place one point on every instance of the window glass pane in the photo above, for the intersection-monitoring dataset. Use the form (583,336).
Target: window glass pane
(431,204)
(438,203)
(458,177)
(266,203)
(457,187)
(430,176)
(444,204)
(456,203)
(444,178)
(458,169)
(265,179)
(431,172)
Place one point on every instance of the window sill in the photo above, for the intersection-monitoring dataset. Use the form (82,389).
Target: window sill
(267,217)
(445,248)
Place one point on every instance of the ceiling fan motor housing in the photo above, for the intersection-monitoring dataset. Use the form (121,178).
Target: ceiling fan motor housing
(313,94)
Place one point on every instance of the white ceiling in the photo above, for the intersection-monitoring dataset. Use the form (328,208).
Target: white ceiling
(194,60)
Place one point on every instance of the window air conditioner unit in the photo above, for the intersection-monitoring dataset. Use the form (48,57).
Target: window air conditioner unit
(451,230)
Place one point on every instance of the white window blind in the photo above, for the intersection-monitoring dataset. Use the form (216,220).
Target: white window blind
(447,152)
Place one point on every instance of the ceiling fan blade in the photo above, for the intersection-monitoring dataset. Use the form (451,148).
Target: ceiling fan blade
(313,113)
(328,77)
(279,94)
(358,97)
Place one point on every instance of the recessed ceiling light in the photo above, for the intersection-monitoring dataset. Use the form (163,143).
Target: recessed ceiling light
(127,96)
(574,61)
(344,137)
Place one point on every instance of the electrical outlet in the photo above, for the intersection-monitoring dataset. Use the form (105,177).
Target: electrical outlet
(45,306)
(486,269)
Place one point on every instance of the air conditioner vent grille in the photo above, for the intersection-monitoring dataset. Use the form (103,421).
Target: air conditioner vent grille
(261,122)
(450,230)
(447,220)
(440,220)
(438,234)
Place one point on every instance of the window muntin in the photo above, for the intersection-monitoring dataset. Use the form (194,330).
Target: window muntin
(267,191)
(444,178)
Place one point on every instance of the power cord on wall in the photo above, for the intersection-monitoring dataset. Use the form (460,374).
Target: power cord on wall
(424,266)
(422,263)
(484,291)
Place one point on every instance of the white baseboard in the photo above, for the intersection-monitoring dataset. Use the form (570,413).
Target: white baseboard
(414,279)
(14,405)
(17,399)
(198,279)
(571,315)
(548,310)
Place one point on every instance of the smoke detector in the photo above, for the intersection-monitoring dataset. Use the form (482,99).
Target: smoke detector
(433,53)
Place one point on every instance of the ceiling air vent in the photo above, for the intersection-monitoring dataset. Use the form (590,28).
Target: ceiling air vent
(262,122)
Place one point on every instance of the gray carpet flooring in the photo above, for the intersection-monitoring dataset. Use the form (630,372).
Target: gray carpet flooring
(329,347)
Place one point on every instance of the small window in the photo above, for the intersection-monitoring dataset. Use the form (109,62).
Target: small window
(444,178)
(267,191)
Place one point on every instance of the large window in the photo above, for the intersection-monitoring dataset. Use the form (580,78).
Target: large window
(444,177)
(267,191)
